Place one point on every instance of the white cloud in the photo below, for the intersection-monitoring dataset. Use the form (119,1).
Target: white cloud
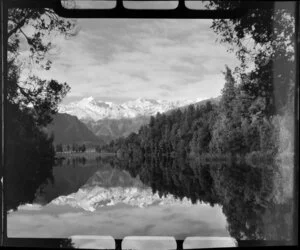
(128,59)
(177,220)
(209,242)
(149,243)
(93,242)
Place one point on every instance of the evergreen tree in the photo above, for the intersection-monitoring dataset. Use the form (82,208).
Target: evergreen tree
(228,100)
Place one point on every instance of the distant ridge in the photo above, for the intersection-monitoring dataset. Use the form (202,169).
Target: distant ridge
(89,109)
(110,129)
(68,129)
(213,100)
(85,127)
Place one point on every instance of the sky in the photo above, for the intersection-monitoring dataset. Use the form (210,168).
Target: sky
(124,59)
(179,221)
(140,228)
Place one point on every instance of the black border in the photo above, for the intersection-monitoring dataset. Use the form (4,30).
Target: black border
(296,125)
(3,70)
(119,11)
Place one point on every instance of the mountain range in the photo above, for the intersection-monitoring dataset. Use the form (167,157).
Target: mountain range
(110,129)
(92,121)
(89,109)
(68,129)
(92,198)
(70,178)
(109,186)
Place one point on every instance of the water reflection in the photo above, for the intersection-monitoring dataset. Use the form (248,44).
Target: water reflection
(249,195)
(112,202)
(252,198)
(208,242)
(148,243)
(69,175)
(40,243)
(93,242)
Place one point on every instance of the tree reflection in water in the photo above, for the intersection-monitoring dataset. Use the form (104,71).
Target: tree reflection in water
(40,243)
(246,193)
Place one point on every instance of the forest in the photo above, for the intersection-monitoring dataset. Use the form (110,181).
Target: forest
(70,148)
(254,117)
(242,123)
(248,195)
(237,152)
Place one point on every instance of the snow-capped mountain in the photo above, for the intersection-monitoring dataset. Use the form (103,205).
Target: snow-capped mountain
(109,187)
(89,109)
(94,197)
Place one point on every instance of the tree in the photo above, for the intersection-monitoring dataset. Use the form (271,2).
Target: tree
(227,135)
(83,148)
(228,100)
(30,157)
(33,28)
(74,147)
(31,102)
(263,38)
(59,148)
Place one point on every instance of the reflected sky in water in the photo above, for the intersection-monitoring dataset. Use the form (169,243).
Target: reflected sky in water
(119,221)
(103,198)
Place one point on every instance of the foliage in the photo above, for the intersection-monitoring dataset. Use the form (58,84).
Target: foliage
(30,157)
(180,133)
(231,126)
(264,41)
(78,148)
(245,193)
(31,30)
(59,148)
(253,121)
(31,102)
(36,26)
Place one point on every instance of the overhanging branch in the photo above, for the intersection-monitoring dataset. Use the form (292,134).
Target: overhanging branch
(20,24)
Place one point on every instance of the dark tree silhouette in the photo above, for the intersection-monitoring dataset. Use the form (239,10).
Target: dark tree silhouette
(32,102)
(264,37)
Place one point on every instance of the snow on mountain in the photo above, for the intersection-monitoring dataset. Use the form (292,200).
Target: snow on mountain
(93,110)
(91,198)
(109,187)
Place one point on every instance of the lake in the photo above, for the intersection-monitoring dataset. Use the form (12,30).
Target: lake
(171,197)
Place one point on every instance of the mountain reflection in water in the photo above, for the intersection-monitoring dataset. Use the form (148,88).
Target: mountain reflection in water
(158,196)
(253,198)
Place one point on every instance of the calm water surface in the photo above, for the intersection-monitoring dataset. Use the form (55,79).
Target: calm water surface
(157,197)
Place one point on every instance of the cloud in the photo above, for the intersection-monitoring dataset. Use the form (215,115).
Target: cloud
(119,221)
(89,4)
(151,5)
(93,242)
(149,243)
(128,59)
(209,242)
(166,87)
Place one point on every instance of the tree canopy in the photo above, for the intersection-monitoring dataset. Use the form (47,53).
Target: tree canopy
(32,101)
(264,41)
(30,31)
